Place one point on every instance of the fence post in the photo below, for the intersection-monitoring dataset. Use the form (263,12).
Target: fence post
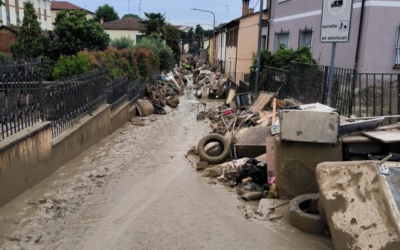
(41,94)
(324,85)
(353,92)
(398,96)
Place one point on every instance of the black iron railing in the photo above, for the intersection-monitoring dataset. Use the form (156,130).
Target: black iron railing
(20,96)
(352,93)
(376,94)
(136,90)
(117,91)
(67,100)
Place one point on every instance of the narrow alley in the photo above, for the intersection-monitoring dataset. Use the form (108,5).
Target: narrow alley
(136,189)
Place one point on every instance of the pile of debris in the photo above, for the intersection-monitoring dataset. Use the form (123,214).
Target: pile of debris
(340,176)
(209,85)
(163,92)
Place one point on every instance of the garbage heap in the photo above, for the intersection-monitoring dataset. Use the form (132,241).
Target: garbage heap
(208,84)
(336,175)
(164,91)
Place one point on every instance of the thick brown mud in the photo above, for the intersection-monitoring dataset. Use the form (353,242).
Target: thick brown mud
(137,190)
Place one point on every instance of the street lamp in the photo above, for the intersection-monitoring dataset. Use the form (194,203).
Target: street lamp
(213,51)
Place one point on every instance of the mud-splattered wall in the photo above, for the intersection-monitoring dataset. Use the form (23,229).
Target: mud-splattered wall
(30,156)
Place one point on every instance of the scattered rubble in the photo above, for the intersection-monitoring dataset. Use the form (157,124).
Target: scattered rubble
(290,140)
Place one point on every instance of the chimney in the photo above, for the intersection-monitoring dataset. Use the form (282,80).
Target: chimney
(251,11)
(246,4)
(101,20)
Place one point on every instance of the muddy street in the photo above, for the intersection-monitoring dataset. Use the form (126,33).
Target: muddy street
(136,189)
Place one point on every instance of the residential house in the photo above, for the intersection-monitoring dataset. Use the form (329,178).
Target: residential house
(12,13)
(374,44)
(8,36)
(57,6)
(242,43)
(220,50)
(126,27)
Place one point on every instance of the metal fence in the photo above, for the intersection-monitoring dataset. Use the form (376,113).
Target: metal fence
(20,96)
(376,94)
(117,91)
(352,93)
(67,100)
(136,89)
(25,99)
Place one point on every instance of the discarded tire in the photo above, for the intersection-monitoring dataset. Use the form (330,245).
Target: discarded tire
(304,214)
(213,138)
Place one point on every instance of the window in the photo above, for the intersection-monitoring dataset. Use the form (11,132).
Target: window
(281,38)
(8,16)
(264,42)
(397,50)
(305,38)
(18,20)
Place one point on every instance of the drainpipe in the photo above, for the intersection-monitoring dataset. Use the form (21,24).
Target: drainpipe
(359,35)
(269,7)
(353,89)
(237,48)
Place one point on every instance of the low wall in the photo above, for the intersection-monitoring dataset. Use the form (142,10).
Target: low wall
(120,116)
(89,131)
(21,158)
(30,156)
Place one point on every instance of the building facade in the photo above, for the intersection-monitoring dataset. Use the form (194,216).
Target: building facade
(57,6)
(12,13)
(8,36)
(127,27)
(242,43)
(374,44)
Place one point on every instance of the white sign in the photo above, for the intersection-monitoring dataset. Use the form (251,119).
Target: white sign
(336,21)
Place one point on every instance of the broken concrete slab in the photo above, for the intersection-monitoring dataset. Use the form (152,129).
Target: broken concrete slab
(201,165)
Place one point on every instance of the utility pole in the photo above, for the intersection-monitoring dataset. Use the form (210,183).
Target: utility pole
(258,69)
(213,51)
(140,8)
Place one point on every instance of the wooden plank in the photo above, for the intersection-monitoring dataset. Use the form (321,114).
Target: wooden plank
(262,101)
(274,111)
(270,156)
(388,136)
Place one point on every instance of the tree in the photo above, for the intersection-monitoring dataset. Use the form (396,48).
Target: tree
(106,12)
(73,33)
(132,15)
(154,23)
(30,39)
(173,39)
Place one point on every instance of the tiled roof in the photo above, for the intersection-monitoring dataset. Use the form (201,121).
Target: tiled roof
(129,23)
(64,5)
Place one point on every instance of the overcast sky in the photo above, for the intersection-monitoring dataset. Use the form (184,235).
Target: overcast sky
(177,11)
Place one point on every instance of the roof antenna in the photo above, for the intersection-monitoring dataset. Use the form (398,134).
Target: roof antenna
(227,13)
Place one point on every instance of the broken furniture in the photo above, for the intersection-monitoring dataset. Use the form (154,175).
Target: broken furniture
(295,164)
(253,142)
(361,202)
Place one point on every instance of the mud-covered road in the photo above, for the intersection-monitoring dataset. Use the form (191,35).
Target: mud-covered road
(137,190)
